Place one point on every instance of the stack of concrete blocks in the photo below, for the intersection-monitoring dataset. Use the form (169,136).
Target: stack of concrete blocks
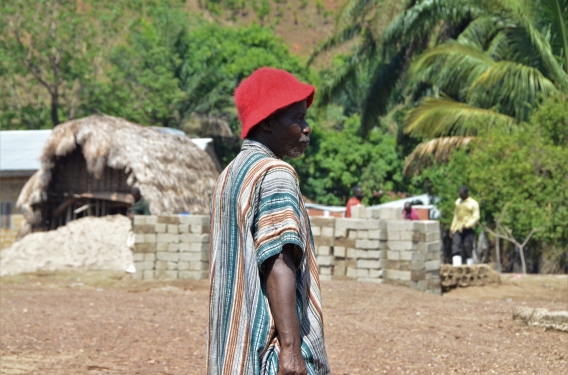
(323,229)
(171,246)
(413,254)
(360,249)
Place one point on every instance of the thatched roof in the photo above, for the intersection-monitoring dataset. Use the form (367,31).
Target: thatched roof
(172,173)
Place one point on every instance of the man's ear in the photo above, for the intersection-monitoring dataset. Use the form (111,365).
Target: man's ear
(265,125)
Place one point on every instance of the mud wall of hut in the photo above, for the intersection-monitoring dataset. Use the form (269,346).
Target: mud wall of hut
(381,249)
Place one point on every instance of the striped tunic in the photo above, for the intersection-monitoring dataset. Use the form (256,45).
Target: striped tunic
(257,208)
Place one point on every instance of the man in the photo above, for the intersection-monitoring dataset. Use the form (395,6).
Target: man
(265,313)
(409,213)
(140,205)
(355,200)
(466,217)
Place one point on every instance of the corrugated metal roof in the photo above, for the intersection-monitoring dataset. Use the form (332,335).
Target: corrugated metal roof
(20,151)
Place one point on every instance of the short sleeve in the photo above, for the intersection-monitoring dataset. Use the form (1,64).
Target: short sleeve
(279,219)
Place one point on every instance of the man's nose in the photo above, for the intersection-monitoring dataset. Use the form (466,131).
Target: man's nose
(306,129)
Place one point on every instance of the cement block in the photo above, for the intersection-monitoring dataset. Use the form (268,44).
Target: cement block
(325,277)
(198,266)
(200,228)
(400,225)
(191,237)
(323,241)
(193,275)
(150,238)
(148,274)
(426,226)
(173,247)
(362,234)
(402,245)
(200,247)
(417,266)
(143,229)
(323,270)
(325,260)
(150,257)
(138,238)
(417,275)
(327,232)
(339,251)
(367,244)
(430,246)
(195,256)
(322,221)
(433,236)
(142,266)
(352,253)
(138,275)
(364,263)
(160,265)
(378,234)
(151,220)
(352,234)
(162,246)
(168,219)
(406,255)
(324,250)
(184,228)
(339,269)
(399,275)
(168,237)
(389,213)
(172,266)
(418,256)
(369,254)
(182,266)
(173,228)
(376,273)
(370,280)
(165,274)
(167,256)
(316,231)
(393,255)
(433,265)
(357,223)
(160,228)
(144,248)
(138,257)
(194,219)
(139,220)
(351,272)
(345,242)
(340,232)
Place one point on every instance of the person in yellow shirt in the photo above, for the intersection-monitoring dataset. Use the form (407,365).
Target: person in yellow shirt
(466,217)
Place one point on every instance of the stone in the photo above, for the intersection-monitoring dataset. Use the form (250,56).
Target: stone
(173,228)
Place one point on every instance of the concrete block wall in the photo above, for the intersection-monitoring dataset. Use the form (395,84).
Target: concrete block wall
(378,247)
(171,247)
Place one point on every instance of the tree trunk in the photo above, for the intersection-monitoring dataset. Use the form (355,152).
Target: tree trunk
(523,259)
(55,107)
(498,253)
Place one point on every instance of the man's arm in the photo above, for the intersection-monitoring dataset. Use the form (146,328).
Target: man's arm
(454,221)
(474,219)
(281,290)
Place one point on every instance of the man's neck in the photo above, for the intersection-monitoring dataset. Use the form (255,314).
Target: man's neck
(264,141)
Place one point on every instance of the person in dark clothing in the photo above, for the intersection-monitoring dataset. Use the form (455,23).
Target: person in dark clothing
(140,205)
(466,217)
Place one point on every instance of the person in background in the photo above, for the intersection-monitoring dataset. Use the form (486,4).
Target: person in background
(466,217)
(140,205)
(409,213)
(355,200)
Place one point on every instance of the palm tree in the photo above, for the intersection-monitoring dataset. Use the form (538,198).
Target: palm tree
(389,33)
(498,70)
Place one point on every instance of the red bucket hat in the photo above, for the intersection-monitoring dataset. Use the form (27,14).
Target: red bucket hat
(265,91)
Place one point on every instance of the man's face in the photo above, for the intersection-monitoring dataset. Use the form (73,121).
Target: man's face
(463,194)
(290,129)
(358,193)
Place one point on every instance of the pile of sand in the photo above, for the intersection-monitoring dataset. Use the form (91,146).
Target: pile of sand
(91,243)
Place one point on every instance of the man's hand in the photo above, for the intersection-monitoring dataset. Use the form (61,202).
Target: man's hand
(291,362)
(281,293)
(451,233)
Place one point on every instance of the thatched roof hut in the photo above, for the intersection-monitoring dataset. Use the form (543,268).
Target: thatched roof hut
(89,165)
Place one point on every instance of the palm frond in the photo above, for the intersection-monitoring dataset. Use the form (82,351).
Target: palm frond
(437,150)
(330,89)
(384,81)
(452,67)
(442,116)
(515,88)
(482,30)
(554,13)
(348,33)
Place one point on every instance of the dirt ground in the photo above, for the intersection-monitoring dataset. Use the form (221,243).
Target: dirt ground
(105,323)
